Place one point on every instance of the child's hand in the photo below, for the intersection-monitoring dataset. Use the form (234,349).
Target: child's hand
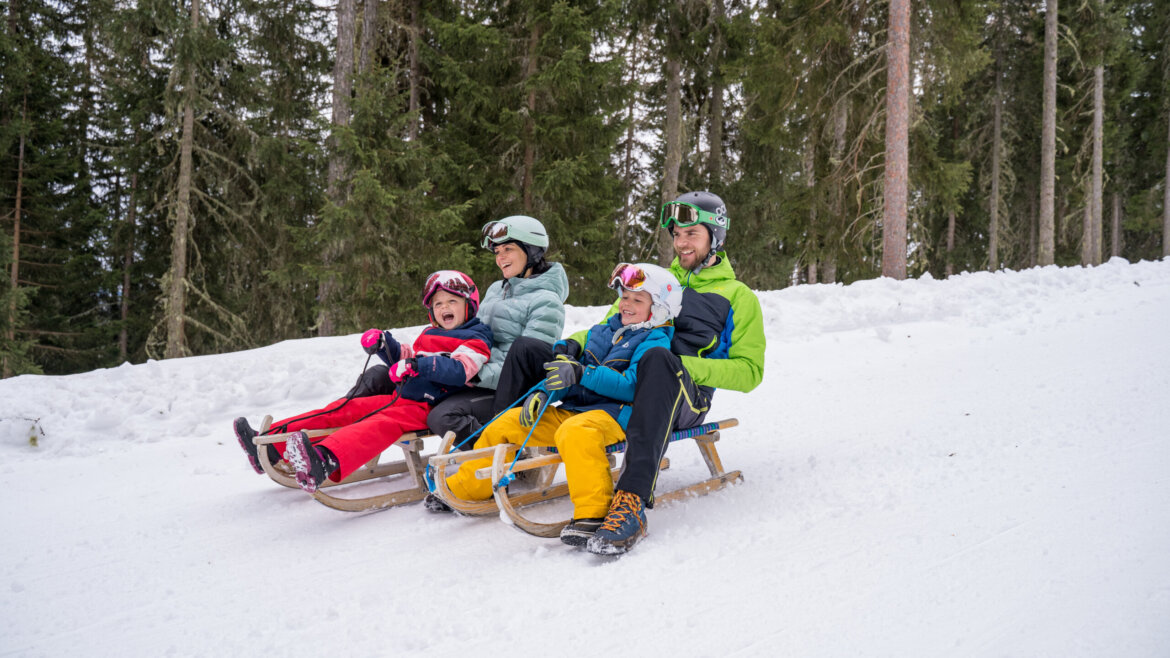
(562,373)
(375,340)
(567,346)
(403,369)
(531,408)
(372,341)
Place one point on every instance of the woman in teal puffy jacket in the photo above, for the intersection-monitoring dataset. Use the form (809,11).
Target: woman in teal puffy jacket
(529,301)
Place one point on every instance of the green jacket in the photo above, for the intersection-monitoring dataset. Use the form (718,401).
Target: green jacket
(522,307)
(737,361)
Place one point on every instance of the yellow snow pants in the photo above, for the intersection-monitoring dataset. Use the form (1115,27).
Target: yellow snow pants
(581,439)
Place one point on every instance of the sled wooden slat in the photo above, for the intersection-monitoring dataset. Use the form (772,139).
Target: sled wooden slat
(443,462)
(412,463)
(508,505)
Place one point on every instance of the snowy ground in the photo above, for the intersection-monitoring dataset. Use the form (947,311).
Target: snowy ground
(971,467)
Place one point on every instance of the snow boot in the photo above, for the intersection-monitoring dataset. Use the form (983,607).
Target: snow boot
(578,532)
(623,527)
(312,464)
(435,504)
(245,434)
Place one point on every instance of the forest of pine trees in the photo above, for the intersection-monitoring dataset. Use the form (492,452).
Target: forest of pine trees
(202,176)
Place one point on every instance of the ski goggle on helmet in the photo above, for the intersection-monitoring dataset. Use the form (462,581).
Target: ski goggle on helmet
(630,277)
(683,214)
(659,282)
(455,282)
(517,228)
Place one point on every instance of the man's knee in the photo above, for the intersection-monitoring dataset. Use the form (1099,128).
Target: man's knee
(528,344)
(658,362)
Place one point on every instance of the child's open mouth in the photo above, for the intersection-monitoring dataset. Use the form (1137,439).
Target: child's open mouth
(448,317)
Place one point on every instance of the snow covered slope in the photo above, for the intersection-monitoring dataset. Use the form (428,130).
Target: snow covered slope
(971,467)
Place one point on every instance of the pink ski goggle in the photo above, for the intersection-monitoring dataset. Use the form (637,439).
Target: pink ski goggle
(449,280)
(630,277)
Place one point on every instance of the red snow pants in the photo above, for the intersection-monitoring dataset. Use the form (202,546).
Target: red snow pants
(357,442)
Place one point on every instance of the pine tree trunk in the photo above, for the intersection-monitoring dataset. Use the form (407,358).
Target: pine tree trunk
(14,270)
(327,291)
(1097,194)
(1115,248)
(415,70)
(629,177)
(715,161)
(1046,248)
(176,308)
(996,149)
(369,31)
(1166,203)
(840,127)
(809,167)
(127,260)
(950,267)
(897,141)
(1087,234)
(673,161)
(1033,229)
(530,123)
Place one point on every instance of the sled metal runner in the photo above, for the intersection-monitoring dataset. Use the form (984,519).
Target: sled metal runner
(546,461)
(412,464)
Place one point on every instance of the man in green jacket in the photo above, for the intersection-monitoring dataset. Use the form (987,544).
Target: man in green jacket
(718,343)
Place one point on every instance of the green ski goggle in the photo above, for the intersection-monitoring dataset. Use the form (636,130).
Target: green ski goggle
(683,214)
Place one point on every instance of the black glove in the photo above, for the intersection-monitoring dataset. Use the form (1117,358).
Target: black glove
(531,407)
(569,347)
(562,373)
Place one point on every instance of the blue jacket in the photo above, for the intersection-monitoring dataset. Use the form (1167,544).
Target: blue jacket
(611,371)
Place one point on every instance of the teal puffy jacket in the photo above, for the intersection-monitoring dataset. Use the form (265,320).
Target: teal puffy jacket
(522,307)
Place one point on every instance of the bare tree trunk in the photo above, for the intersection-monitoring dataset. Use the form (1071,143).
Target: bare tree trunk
(809,167)
(415,70)
(1115,248)
(629,179)
(950,267)
(837,193)
(1166,205)
(327,291)
(14,271)
(369,29)
(715,162)
(1097,194)
(996,145)
(176,310)
(1087,235)
(530,123)
(127,261)
(1033,229)
(897,141)
(673,137)
(1047,240)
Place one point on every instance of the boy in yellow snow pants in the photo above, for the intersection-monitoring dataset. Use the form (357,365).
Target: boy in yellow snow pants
(580,437)
(594,385)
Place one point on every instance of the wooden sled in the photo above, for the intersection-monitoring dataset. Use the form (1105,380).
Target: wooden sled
(412,463)
(704,435)
(546,461)
(445,462)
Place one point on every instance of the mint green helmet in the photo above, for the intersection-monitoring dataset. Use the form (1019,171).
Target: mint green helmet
(517,228)
(525,231)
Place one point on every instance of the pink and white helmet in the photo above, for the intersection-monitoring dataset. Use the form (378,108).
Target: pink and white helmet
(455,282)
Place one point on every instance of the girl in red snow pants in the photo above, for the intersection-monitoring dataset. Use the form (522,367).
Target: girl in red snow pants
(359,441)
